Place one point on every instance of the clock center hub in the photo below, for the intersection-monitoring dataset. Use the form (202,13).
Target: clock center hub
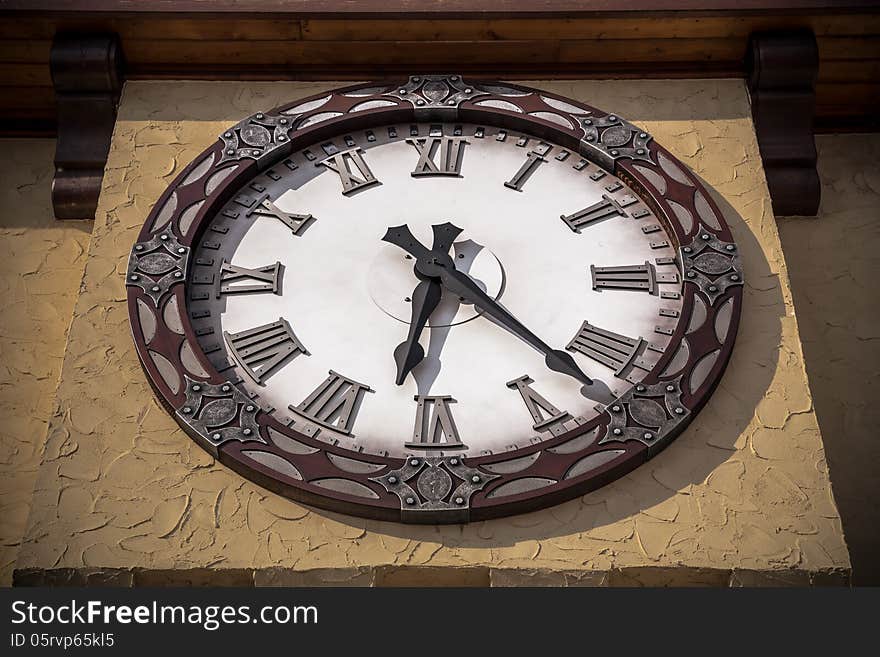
(391,281)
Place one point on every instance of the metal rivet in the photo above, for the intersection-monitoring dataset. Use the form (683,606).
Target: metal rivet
(227,134)
(730,247)
(640,151)
(196,387)
(230,152)
(215,436)
(615,153)
(249,408)
(420,102)
(643,135)
(670,388)
(734,277)
(713,288)
(590,137)
(282,138)
(469,90)
(648,435)
(459,500)
(588,122)
(687,249)
(187,410)
(225,388)
(255,152)
(139,247)
(178,274)
(706,236)
(453,461)
(247,432)
(283,121)
(155,288)
(401,91)
(679,410)
(392,479)
(453,78)
(475,479)
(410,500)
(407,299)
(259,115)
(134,277)
(451,101)
(181,250)
(617,432)
(413,461)
(416,78)
(640,388)
(615,408)
(691,274)
(163,237)
(612,118)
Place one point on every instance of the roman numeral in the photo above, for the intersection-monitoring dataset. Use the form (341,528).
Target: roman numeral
(450,150)
(259,351)
(335,403)
(600,210)
(435,428)
(611,349)
(233,279)
(266,208)
(546,416)
(629,277)
(533,160)
(352,179)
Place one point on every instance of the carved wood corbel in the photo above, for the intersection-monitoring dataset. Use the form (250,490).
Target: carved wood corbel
(782,69)
(87,74)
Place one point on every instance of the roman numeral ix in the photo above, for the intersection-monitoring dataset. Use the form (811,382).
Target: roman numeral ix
(435,427)
(353,172)
(335,403)
(450,150)
(546,416)
(241,280)
(259,351)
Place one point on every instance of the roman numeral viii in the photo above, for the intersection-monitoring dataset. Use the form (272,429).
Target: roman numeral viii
(259,351)
(450,150)
(335,403)
(353,172)
(241,280)
(435,428)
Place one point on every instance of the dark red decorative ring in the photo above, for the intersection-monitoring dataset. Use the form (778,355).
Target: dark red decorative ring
(233,427)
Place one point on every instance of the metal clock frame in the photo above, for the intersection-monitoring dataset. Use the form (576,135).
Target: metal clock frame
(242,434)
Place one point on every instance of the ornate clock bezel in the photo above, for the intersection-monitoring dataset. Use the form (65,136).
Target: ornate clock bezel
(242,435)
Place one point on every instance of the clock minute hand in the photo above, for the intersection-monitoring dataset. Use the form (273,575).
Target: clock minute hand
(409,353)
(464,286)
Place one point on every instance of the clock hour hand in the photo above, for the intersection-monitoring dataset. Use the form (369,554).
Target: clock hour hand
(409,353)
(444,236)
(464,286)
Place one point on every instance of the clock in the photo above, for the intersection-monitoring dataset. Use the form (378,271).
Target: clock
(434,300)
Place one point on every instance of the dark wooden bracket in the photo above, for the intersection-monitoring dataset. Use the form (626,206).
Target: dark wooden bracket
(87,74)
(782,69)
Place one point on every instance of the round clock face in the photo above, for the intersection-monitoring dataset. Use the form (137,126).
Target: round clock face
(420,300)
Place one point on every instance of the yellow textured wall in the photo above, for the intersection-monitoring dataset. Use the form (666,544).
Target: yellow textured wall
(41,264)
(745,489)
(835,261)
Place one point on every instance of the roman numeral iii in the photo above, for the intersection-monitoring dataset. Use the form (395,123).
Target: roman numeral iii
(435,427)
(353,172)
(335,403)
(260,351)
(241,280)
(450,150)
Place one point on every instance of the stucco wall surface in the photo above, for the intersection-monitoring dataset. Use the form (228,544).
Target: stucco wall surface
(745,489)
(834,261)
(41,264)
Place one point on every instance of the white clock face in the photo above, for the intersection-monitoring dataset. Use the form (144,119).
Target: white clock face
(293,288)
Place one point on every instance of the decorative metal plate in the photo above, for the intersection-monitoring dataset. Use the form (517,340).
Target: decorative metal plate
(577,457)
